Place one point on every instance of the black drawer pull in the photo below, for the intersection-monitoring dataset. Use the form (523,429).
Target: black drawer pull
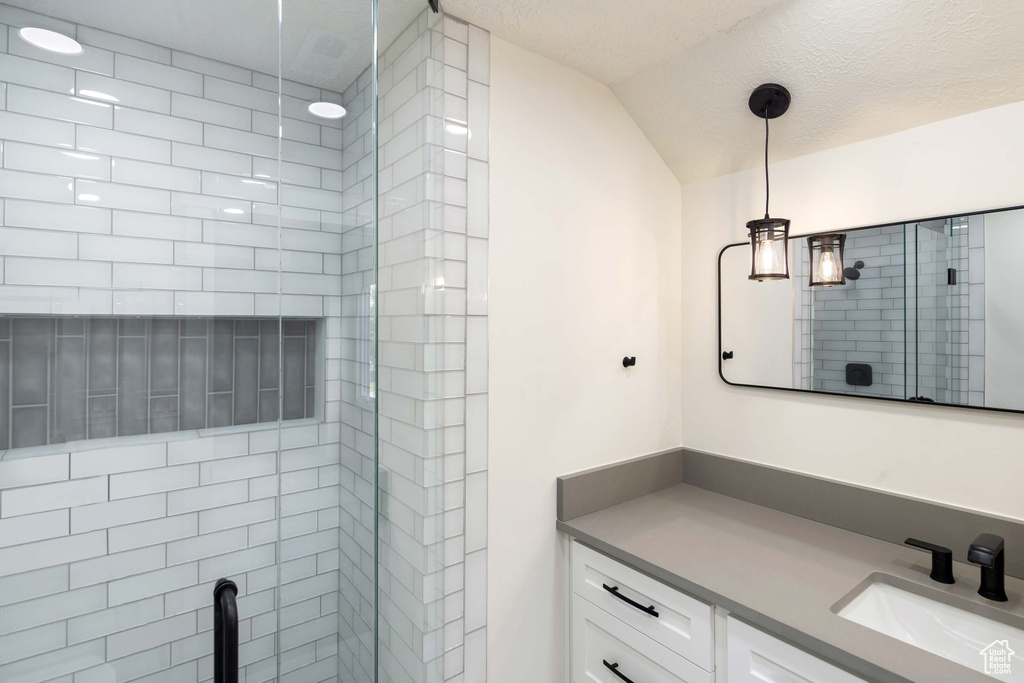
(615,670)
(614,590)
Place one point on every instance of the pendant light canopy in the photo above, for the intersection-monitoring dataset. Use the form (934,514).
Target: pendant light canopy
(769,236)
(827,259)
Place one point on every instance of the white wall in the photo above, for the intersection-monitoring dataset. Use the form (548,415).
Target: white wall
(960,457)
(1003,326)
(584,269)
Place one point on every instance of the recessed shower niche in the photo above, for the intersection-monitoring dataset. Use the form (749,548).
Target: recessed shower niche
(72,378)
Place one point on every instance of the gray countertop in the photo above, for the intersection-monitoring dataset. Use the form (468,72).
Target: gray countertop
(780,572)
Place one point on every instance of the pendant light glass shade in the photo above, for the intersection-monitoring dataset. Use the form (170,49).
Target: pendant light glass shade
(769,245)
(826,260)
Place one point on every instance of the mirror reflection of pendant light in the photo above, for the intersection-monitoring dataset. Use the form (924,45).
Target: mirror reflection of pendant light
(827,259)
(768,236)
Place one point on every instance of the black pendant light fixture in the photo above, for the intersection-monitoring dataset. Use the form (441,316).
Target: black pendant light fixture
(769,236)
(827,259)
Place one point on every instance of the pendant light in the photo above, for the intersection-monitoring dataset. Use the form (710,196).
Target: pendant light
(827,259)
(769,236)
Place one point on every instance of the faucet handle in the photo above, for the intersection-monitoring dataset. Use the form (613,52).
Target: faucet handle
(985,549)
(942,560)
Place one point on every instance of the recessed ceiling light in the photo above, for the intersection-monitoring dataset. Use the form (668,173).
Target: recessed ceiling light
(327,110)
(51,41)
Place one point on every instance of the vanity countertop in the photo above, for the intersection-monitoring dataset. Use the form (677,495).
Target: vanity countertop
(780,572)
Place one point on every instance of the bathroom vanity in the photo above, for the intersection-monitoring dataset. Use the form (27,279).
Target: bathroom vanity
(669,582)
(664,635)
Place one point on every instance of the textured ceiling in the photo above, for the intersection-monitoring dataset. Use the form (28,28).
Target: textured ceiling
(606,39)
(326,43)
(857,69)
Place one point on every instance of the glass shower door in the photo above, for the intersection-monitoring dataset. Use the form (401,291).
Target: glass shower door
(170,339)
(187,339)
(328,151)
(937,298)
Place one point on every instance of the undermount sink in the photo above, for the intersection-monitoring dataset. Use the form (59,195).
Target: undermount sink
(980,637)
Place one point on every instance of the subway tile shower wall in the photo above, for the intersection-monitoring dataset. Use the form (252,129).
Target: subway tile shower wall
(161,206)
(167,201)
(68,379)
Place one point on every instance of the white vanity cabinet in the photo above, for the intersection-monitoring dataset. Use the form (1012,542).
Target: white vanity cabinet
(606,650)
(627,627)
(756,657)
(679,622)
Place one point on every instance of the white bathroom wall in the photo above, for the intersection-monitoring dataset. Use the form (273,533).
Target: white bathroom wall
(585,228)
(959,457)
(168,204)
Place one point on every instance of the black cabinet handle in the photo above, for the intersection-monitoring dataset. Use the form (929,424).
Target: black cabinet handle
(614,590)
(615,670)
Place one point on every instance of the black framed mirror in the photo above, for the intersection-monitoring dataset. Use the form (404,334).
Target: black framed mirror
(928,311)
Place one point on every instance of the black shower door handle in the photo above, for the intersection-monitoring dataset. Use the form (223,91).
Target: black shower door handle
(225,632)
(614,590)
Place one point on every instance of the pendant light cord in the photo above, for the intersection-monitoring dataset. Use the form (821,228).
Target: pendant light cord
(767,186)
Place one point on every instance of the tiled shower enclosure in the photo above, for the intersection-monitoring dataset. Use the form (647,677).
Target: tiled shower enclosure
(197,276)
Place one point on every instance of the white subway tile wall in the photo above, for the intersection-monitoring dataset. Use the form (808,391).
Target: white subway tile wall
(467,661)
(164,203)
(433,351)
(123,558)
(411,354)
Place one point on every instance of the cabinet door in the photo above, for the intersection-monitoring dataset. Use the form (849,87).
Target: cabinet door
(606,650)
(676,620)
(756,657)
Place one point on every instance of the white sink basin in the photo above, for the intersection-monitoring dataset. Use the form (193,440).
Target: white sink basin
(950,626)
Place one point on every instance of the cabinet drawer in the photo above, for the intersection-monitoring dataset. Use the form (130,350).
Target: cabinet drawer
(600,642)
(756,657)
(683,624)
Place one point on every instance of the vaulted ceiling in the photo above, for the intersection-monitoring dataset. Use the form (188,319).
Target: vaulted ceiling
(857,70)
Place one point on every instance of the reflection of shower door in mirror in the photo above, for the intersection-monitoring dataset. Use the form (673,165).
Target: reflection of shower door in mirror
(938,312)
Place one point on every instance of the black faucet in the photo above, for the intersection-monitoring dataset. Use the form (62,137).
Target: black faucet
(987,551)
(942,560)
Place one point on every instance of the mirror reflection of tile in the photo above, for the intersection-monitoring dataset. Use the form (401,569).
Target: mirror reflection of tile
(899,316)
(68,379)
